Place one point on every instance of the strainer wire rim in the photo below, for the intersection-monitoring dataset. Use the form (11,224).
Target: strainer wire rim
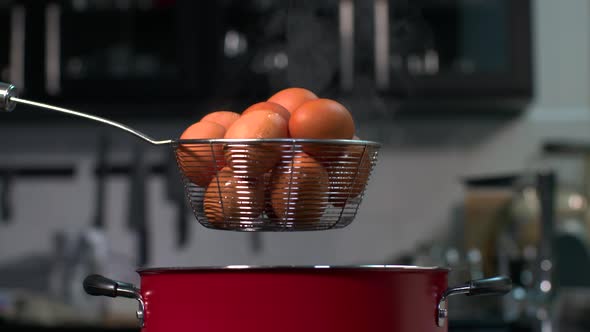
(337,224)
(277,140)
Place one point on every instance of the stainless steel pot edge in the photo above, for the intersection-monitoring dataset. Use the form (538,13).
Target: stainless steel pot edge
(371,267)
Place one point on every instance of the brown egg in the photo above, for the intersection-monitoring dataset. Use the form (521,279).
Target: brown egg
(231,198)
(270,213)
(199,162)
(292,98)
(348,174)
(321,119)
(224,118)
(258,124)
(299,190)
(254,159)
(269,106)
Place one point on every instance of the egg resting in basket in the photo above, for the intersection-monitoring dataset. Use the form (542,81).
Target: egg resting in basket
(275,184)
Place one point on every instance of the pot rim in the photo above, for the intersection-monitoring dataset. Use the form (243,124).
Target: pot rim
(371,267)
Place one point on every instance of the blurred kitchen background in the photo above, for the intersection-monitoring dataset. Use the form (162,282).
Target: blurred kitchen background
(482,107)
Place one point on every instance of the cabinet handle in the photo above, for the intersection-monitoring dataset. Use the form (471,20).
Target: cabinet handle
(17,45)
(346,29)
(52,49)
(381,43)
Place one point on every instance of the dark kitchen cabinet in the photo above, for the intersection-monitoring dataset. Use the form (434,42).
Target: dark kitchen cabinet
(428,52)
(271,45)
(12,45)
(168,51)
(169,57)
(174,55)
(127,51)
(4,42)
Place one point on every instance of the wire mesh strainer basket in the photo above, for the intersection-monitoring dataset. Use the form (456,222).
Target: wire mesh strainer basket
(275,185)
(261,184)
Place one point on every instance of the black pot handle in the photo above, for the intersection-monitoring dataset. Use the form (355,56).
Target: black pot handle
(97,285)
(498,285)
(490,286)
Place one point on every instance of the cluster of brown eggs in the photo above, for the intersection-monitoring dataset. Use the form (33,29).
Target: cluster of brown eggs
(286,181)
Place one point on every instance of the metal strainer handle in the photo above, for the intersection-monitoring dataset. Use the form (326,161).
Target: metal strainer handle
(7,92)
(9,99)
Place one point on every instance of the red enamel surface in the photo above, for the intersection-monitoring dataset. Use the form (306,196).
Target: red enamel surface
(265,300)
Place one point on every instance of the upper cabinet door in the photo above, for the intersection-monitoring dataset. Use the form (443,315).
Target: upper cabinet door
(234,52)
(130,50)
(12,45)
(433,50)
(266,46)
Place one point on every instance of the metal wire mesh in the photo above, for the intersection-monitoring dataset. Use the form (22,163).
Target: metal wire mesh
(275,185)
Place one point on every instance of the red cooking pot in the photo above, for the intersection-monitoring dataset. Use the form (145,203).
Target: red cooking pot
(315,298)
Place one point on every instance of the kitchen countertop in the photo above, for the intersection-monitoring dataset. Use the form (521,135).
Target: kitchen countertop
(455,326)
(487,326)
(11,326)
